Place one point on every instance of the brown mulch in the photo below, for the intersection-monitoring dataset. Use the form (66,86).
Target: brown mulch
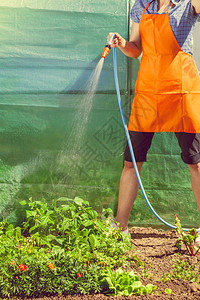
(157,250)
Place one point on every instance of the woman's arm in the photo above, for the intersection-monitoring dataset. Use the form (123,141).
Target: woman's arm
(133,48)
(196,5)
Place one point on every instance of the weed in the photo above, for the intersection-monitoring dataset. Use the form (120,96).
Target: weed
(182,270)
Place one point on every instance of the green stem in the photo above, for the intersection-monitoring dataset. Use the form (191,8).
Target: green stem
(196,251)
(187,247)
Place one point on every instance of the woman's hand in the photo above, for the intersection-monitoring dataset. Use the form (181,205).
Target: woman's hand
(117,41)
(131,48)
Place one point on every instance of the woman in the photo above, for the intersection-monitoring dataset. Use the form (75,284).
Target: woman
(167,91)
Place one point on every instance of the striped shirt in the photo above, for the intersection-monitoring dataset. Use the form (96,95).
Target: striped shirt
(182,19)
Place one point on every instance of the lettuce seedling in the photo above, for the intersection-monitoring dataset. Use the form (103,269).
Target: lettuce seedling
(120,283)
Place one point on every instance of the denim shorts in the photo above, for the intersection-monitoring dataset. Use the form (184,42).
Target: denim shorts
(141,142)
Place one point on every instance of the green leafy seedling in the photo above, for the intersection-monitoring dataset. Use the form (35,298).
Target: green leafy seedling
(187,239)
(168,291)
(120,283)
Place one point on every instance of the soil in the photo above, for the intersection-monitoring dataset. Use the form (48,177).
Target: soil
(157,249)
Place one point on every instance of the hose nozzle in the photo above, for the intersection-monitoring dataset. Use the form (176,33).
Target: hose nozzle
(106,50)
(107,47)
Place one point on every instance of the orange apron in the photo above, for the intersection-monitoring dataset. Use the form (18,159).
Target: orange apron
(167,90)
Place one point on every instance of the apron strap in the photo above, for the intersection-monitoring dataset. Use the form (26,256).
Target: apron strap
(170,7)
(146,7)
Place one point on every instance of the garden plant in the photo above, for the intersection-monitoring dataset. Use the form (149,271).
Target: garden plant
(66,248)
(187,238)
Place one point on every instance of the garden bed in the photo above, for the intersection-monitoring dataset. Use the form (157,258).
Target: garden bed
(158,251)
(68,251)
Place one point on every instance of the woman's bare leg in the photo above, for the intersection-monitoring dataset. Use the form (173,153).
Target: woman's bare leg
(195,181)
(128,191)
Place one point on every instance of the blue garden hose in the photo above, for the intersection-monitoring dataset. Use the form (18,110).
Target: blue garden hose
(130,145)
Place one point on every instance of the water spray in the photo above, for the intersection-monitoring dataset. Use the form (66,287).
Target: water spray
(104,54)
